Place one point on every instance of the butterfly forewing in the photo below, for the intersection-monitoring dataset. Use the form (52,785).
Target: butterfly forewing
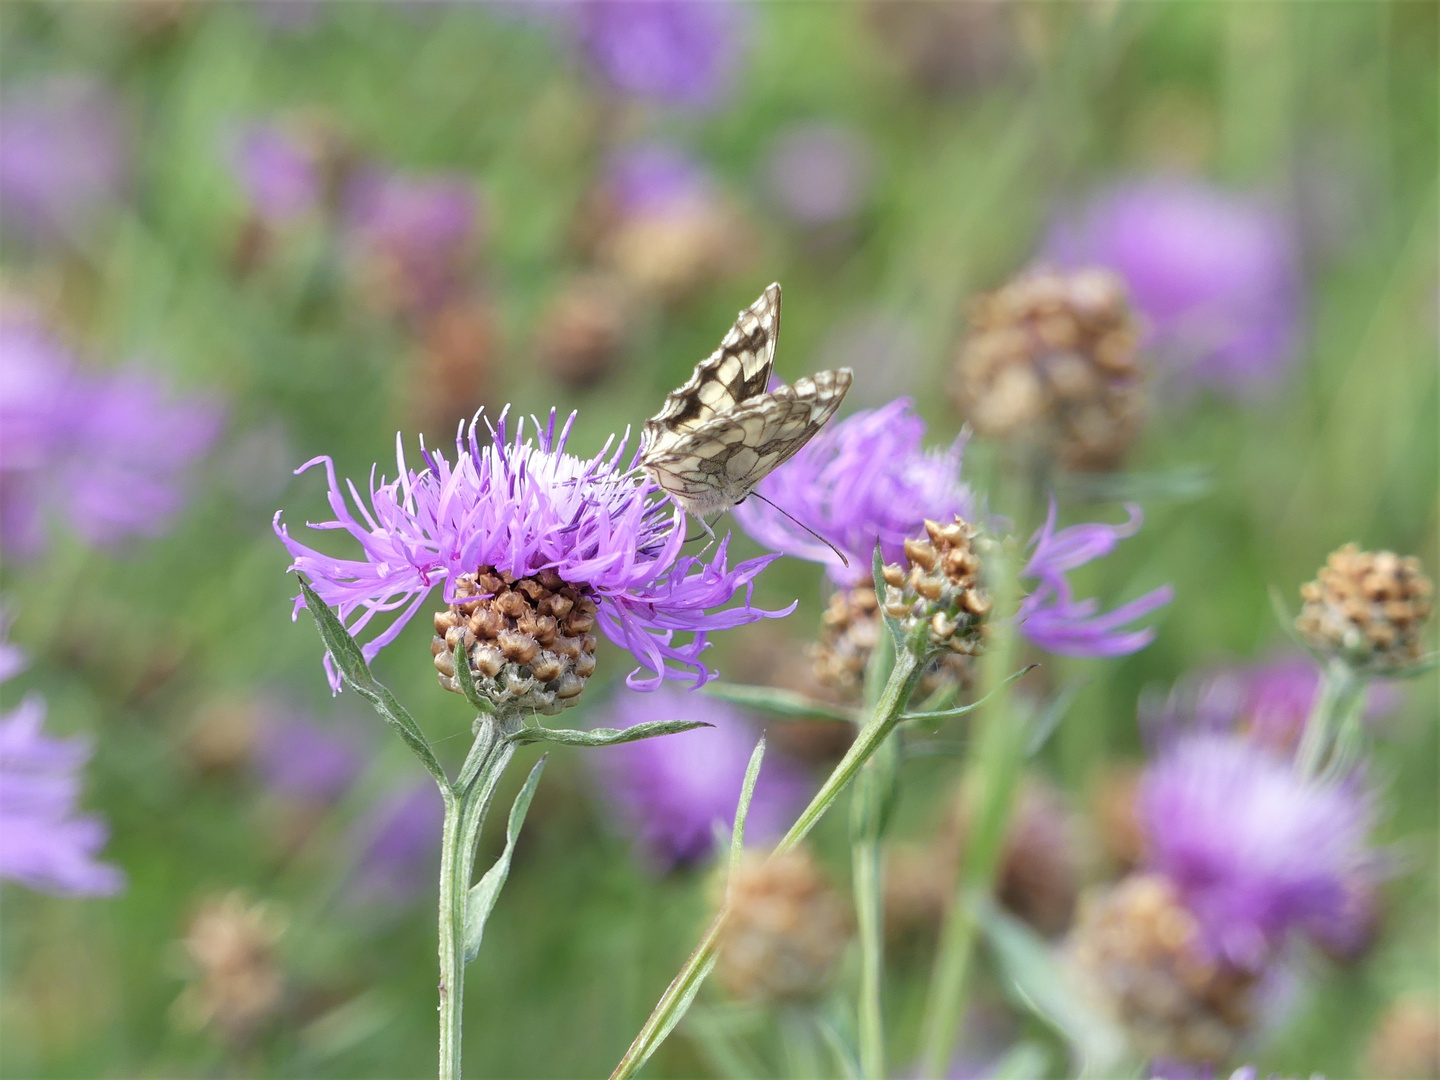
(721,433)
(735,372)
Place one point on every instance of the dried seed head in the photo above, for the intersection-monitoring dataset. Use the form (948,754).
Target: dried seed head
(454,365)
(941,588)
(236,983)
(1406,1043)
(1367,607)
(849,630)
(786,930)
(528,640)
(583,330)
(670,251)
(1052,360)
(1137,951)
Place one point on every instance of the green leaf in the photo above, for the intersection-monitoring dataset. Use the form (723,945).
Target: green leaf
(877,574)
(350,662)
(677,1013)
(466,680)
(1023,1061)
(480,901)
(604,736)
(1045,724)
(742,808)
(1034,980)
(776,702)
(963,709)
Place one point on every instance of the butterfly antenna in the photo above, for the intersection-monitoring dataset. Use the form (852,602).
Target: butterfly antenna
(802,525)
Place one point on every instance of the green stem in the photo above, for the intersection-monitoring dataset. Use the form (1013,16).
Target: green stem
(869,811)
(677,996)
(990,781)
(1336,712)
(466,802)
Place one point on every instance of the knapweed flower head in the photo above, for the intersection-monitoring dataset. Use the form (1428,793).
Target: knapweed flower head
(45,843)
(787,929)
(1051,361)
(673,52)
(1255,849)
(940,589)
(671,792)
(1367,608)
(106,452)
(818,173)
(64,157)
(1215,274)
(862,481)
(527,509)
(1053,619)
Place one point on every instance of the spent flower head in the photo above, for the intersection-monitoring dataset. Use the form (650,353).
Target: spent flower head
(527,509)
(1367,608)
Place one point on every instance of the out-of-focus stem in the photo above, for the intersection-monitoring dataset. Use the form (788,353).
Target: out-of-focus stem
(1336,710)
(990,781)
(873,790)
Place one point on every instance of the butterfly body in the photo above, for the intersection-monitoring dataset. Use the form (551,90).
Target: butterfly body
(723,431)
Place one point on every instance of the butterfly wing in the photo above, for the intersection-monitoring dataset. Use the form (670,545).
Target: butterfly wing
(715,465)
(734,373)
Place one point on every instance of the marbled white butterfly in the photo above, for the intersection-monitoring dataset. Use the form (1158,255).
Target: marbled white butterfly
(721,433)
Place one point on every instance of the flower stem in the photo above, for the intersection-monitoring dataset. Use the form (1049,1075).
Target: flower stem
(1336,712)
(466,802)
(874,790)
(990,781)
(681,991)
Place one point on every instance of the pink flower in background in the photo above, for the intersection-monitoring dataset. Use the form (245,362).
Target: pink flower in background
(1215,273)
(675,52)
(279,171)
(64,156)
(818,173)
(108,453)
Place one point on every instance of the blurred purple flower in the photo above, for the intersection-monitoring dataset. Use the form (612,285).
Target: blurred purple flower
(1053,619)
(520,508)
(64,156)
(399,844)
(44,843)
(867,479)
(818,173)
(1269,701)
(107,451)
(1216,274)
(278,171)
(670,791)
(862,480)
(300,759)
(1255,849)
(653,177)
(676,52)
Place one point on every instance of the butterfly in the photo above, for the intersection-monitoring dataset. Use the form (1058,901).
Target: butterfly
(723,431)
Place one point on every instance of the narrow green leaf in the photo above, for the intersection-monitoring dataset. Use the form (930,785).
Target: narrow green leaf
(742,808)
(480,901)
(784,703)
(604,736)
(845,1057)
(1046,723)
(1034,980)
(877,574)
(466,679)
(677,1012)
(963,709)
(350,662)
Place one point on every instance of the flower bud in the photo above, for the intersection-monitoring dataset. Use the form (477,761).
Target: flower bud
(1367,607)
(786,929)
(1052,360)
(529,640)
(941,589)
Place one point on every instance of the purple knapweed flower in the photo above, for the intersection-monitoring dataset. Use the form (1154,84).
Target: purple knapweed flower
(818,173)
(655,177)
(1216,275)
(863,480)
(522,507)
(108,452)
(44,843)
(279,173)
(675,52)
(669,792)
(866,479)
(64,157)
(399,844)
(1255,849)
(299,759)
(1053,619)
(1268,701)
